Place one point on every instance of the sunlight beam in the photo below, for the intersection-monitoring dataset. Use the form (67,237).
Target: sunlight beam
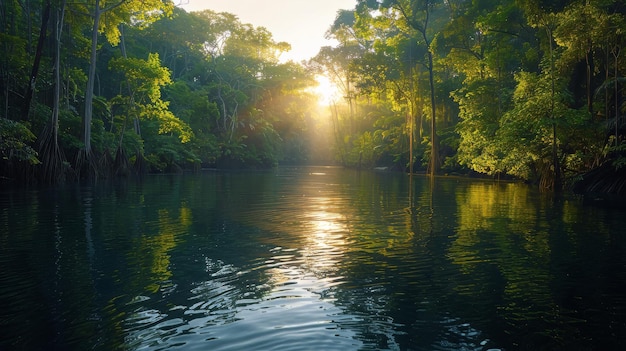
(326,90)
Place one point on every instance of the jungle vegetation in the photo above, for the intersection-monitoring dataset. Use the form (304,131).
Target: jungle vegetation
(532,90)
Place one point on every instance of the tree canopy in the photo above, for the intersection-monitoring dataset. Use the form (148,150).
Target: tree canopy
(501,88)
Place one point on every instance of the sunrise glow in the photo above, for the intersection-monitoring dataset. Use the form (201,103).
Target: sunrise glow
(326,90)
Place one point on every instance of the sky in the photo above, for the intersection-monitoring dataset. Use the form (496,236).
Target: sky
(301,23)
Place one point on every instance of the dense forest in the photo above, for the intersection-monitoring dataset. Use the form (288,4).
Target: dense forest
(532,90)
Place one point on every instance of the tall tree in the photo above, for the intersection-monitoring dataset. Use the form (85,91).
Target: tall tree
(51,154)
(137,12)
(546,19)
(424,18)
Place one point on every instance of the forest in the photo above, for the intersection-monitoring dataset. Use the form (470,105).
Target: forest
(530,90)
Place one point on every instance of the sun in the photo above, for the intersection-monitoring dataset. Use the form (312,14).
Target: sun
(326,90)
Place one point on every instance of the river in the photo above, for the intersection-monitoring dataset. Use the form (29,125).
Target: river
(309,258)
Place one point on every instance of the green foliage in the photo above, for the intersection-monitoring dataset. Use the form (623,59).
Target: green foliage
(479,124)
(145,78)
(518,88)
(13,73)
(620,160)
(14,142)
(369,148)
(169,155)
(70,131)
(139,13)
(168,122)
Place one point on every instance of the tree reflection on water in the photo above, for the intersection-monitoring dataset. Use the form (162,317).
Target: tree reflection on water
(339,259)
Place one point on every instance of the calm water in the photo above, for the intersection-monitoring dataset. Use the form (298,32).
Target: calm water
(309,259)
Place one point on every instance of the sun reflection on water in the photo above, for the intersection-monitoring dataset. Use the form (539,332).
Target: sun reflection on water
(324,236)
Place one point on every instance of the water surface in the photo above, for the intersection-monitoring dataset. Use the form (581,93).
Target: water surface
(310,258)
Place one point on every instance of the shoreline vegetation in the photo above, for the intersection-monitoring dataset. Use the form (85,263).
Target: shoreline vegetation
(499,90)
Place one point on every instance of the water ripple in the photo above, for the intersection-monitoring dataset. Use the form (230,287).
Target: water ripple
(322,259)
(292,310)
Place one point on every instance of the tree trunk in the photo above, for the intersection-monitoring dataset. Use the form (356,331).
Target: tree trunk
(616,51)
(121,165)
(30,89)
(590,87)
(50,152)
(555,159)
(411,122)
(51,155)
(90,81)
(413,108)
(434,150)
(349,97)
(57,72)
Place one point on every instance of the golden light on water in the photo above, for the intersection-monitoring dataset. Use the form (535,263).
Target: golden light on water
(324,222)
(325,239)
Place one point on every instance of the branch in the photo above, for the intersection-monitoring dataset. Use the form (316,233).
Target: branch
(114,6)
(100,10)
(503,32)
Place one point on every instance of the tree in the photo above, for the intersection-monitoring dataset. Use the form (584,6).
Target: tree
(486,44)
(419,16)
(37,60)
(145,78)
(140,12)
(53,159)
(393,77)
